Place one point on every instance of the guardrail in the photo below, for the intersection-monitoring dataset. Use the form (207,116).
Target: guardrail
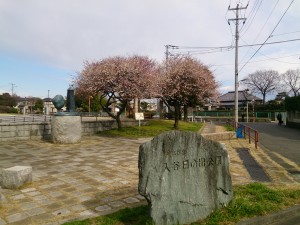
(248,132)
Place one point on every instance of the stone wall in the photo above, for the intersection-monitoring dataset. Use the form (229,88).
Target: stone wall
(25,131)
(42,130)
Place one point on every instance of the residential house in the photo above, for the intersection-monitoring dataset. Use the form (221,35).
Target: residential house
(227,100)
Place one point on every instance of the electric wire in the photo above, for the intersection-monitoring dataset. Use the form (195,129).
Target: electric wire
(267,37)
(262,27)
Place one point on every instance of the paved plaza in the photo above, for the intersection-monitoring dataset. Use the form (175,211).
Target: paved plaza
(95,177)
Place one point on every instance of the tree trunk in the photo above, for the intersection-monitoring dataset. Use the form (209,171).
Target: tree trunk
(136,106)
(185,113)
(160,109)
(119,124)
(177,114)
(264,98)
(117,116)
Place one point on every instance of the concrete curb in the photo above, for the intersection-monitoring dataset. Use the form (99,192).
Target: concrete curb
(220,136)
(273,218)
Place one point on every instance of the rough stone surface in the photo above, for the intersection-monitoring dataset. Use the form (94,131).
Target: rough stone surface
(184,177)
(15,177)
(66,129)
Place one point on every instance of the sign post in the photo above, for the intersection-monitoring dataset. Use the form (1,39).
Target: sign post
(139,117)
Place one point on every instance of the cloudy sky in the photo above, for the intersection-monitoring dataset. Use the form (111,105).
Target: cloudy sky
(43,43)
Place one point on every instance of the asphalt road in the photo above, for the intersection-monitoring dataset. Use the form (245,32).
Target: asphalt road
(282,140)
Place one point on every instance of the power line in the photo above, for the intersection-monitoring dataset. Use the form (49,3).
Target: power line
(268,36)
(262,26)
(275,35)
(269,58)
(253,12)
(221,48)
(270,43)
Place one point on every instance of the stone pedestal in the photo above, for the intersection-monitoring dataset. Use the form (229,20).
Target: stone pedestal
(66,129)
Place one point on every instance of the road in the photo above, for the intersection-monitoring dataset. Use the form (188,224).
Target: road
(281,143)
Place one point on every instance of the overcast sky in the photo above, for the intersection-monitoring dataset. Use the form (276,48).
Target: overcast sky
(44,43)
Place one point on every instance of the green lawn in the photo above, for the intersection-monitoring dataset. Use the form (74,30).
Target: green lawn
(155,127)
(250,200)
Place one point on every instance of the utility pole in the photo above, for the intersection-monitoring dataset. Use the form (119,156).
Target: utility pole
(160,103)
(48,93)
(12,88)
(167,51)
(236,70)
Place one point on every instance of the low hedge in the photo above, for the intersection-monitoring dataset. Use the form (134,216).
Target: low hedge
(292,103)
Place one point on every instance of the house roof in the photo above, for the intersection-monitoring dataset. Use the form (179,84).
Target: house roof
(242,96)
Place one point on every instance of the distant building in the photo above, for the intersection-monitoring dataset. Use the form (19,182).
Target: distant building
(25,105)
(281,96)
(49,108)
(227,101)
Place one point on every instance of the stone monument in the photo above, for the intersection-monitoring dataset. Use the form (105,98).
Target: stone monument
(184,177)
(66,126)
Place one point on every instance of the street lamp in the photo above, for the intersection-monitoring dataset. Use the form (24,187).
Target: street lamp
(253,100)
(246,95)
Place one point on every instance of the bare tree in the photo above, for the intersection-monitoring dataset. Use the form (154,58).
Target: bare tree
(291,78)
(263,82)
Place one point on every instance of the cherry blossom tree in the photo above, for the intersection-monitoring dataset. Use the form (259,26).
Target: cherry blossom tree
(263,82)
(184,80)
(117,80)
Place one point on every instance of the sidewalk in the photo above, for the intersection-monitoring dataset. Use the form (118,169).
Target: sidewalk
(95,177)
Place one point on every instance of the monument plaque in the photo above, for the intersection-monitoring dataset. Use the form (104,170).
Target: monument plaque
(184,177)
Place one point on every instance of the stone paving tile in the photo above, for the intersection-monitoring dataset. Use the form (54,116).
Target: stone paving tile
(61,212)
(34,193)
(35,211)
(17,197)
(28,190)
(78,207)
(28,205)
(16,217)
(131,200)
(94,177)
(116,204)
(103,208)
(87,213)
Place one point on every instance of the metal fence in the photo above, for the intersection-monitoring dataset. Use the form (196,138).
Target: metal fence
(248,132)
(30,118)
(271,115)
(25,118)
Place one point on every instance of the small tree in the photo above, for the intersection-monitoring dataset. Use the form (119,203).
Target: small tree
(117,80)
(263,82)
(7,100)
(291,78)
(39,105)
(184,80)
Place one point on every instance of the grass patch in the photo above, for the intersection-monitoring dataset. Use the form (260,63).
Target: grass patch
(135,216)
(155,127)
(250,200)
(229,127)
